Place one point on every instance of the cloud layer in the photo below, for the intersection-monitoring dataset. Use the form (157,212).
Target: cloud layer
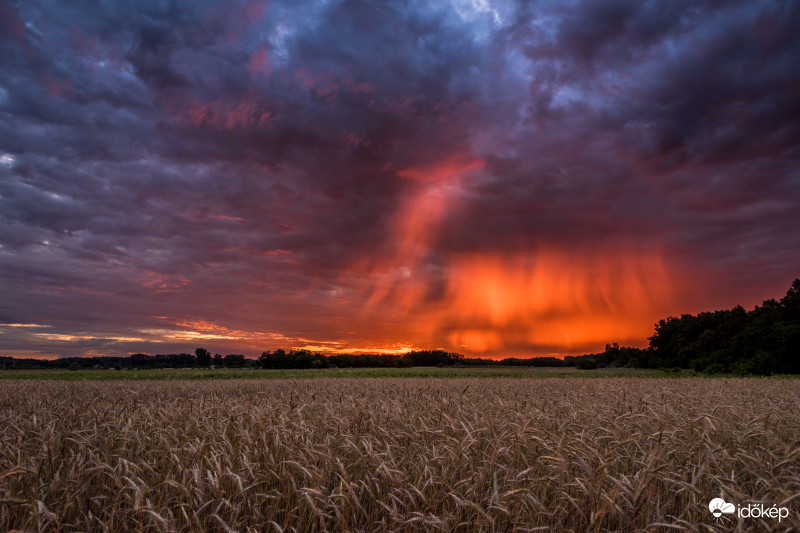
(488,177)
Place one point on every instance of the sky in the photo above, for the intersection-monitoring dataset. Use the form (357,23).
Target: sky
(495,178)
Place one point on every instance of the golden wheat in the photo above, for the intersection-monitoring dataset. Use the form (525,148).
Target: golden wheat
(395,454)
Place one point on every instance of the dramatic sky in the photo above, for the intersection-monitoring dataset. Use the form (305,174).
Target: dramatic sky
(489,177)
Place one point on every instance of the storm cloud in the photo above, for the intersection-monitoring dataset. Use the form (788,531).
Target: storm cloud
(487,177)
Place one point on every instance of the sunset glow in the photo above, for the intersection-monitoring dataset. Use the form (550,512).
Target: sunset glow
(547,300)
(494,178)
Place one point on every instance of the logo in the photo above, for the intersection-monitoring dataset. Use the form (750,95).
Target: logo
(719,508)
(758,510)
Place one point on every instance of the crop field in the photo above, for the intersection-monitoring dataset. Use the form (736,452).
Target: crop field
(412,372)
(391,454)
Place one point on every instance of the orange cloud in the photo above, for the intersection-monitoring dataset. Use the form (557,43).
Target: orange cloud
(550,298)
(542,299)
(414,228)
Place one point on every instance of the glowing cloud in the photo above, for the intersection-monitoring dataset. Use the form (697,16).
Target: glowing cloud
(490,177)
(554,299)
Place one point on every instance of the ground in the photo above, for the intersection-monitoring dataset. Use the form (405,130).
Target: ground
(389,454)
(421,372)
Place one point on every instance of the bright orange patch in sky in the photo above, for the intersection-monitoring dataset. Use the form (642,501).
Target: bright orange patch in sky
(536,301)
(554,299)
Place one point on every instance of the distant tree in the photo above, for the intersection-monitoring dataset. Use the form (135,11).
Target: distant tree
(790,303)
(265,361)
(234,360)
(218,360)
(763,341)
(203,357)
(515,361)
(141,359)
(300,359)
(280,359)
(432,358)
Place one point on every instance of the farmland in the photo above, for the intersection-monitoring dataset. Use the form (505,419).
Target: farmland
(391,454)
(413,372)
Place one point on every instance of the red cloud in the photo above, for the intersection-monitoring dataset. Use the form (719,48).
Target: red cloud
(260,61)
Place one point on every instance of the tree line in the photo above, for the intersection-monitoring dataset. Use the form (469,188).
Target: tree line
(763,341)
(281,359)
(306,359)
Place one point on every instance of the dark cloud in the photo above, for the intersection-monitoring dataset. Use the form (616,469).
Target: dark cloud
(262,174)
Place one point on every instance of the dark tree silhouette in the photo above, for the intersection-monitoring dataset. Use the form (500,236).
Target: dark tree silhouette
(203,357)
(234,360)
(763,341)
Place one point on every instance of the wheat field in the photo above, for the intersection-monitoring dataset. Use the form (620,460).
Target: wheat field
(480,454)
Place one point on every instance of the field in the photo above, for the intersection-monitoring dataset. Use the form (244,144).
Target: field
(390,454)
(413,372)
